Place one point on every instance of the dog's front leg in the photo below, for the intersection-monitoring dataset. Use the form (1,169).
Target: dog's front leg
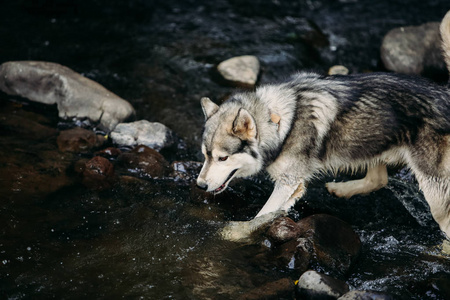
(283,197)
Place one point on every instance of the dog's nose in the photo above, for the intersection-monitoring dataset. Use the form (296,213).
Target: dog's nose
(202,185)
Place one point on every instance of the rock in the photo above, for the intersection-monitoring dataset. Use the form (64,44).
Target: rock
(154,135)
(280,289)
(282,230)
(413,50)
(332,243)
(145,162)
(78,140)
(320,240)
(365,295)
(314,285)
(98,173)
(338,70)
(74,94)
(110,153)
(240,70)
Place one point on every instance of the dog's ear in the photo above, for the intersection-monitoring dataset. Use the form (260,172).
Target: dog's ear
(209,107)
(244,126)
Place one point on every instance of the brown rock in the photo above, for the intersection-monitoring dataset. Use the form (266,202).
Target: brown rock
(144,161)
(98,173)
(316,240)
(282,230)
(78,140)
(109,152)
(331,241)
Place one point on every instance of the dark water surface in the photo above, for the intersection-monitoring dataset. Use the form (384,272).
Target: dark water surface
(155,239)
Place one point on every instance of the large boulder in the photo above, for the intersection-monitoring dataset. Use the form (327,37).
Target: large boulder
(74,94)
(413,50)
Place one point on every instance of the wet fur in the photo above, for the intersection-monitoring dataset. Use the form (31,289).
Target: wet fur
(332,123)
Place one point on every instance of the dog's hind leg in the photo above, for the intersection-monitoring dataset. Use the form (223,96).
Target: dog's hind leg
(375,179)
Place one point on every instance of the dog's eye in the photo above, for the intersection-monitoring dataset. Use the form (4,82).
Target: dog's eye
(223,158)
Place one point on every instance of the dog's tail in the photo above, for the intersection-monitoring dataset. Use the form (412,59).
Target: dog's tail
(445,36)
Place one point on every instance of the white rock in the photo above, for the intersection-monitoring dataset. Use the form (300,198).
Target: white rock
(74,94)
(241,70)
(314,285)
(154,135)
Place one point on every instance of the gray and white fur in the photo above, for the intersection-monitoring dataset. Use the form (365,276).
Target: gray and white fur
(315,124)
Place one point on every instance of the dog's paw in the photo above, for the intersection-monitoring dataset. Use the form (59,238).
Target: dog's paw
(340,189)
(236,232)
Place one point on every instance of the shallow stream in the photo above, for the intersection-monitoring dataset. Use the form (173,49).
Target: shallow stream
(156,239)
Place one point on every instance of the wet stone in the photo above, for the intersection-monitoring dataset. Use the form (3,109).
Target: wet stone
(316,240)
(144,161)
(78,140)
(413,50)
(314,285)
(332,242)
(240,70)
(98,173)
(110,153)
(74,94)
(366,295)
(151,134)
(282,230)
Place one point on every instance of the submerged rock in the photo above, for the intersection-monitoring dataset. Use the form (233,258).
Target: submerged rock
(98,173)
(17,124)
(240,70)
(145,162)
(154,135)
(78,140)
(314,285)
(74,94)
(413,50)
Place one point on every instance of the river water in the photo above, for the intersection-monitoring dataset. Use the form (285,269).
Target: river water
(156,239)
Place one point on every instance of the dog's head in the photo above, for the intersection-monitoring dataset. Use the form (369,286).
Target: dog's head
(230,145)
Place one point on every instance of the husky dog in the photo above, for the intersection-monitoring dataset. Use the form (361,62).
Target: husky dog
(314,124)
